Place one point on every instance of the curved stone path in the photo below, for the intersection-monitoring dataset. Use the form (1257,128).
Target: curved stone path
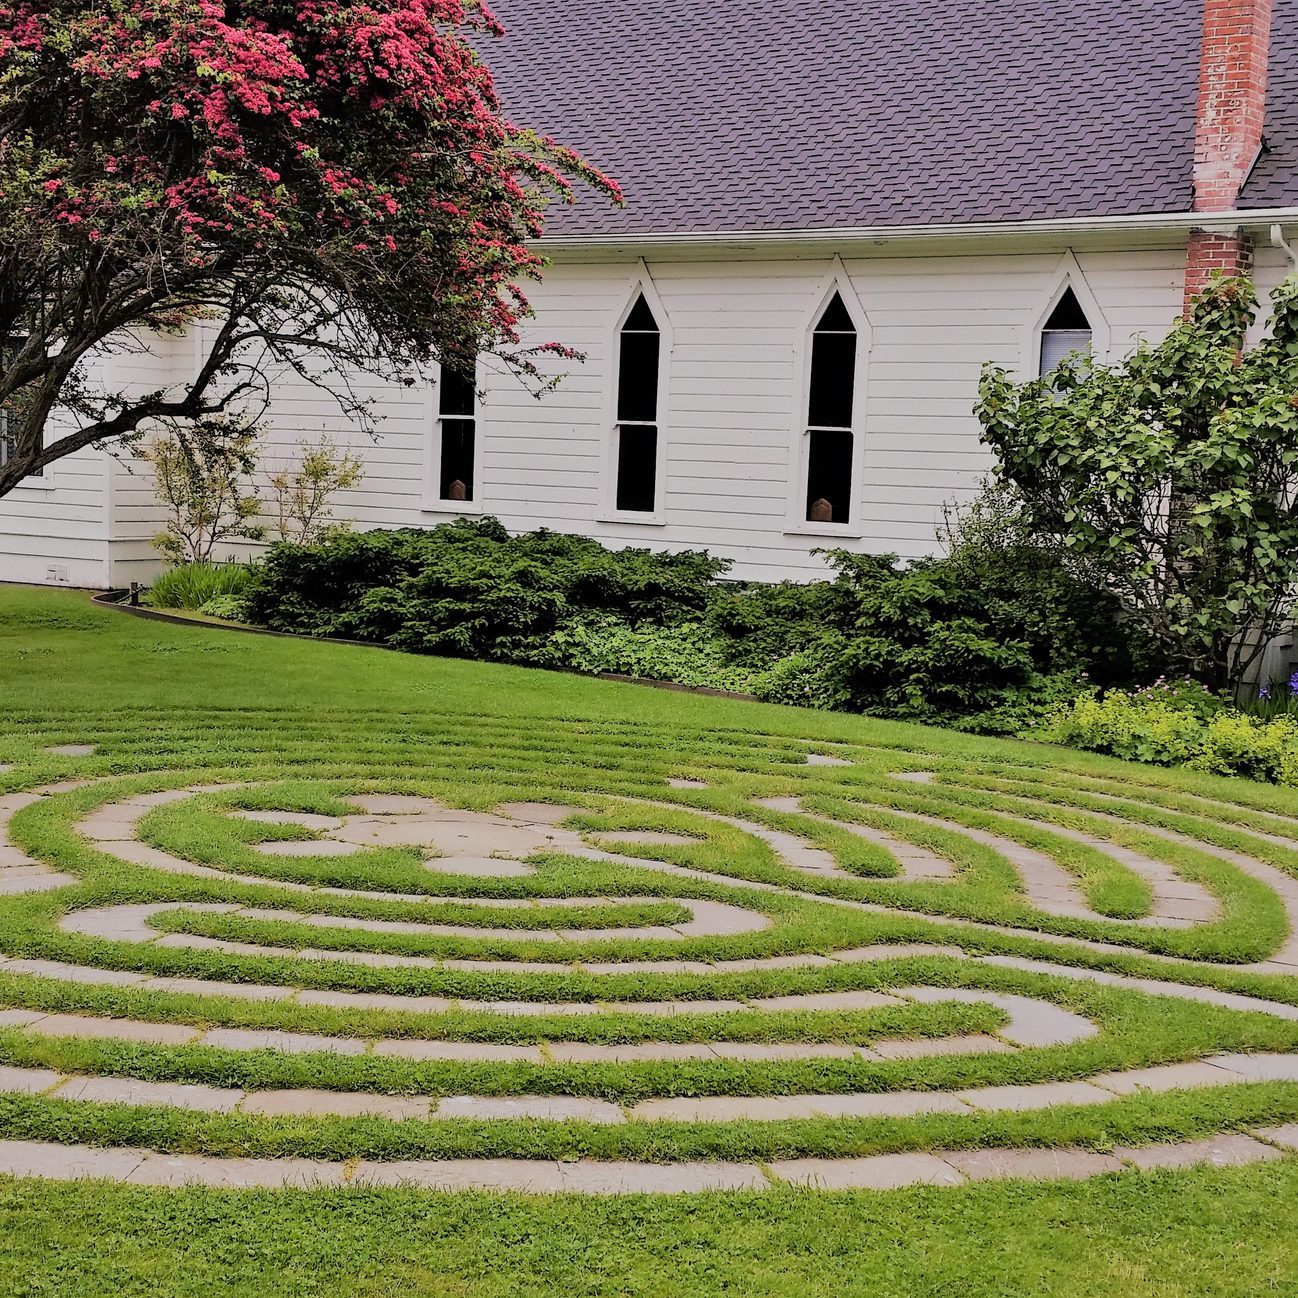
(504,843)
(538,1176)
(1176,902)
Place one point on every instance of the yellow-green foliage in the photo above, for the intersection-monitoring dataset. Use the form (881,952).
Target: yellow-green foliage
(1144,727)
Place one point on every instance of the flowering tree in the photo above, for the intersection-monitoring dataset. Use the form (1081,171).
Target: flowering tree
(1172,475)
(324,184)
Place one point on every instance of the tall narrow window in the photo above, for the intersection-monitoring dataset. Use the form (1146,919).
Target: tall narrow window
(8,443)
(1066,331)
(829,417)
(636,451)
(9,420)
(457,419)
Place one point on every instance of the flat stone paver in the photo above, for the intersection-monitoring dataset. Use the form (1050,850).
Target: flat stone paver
(1260,1067)
(78,1026)
(306,847)
(296,1043)
(1285,1136)
(67,1162)
(20,1018)
(538,813)
(126,1090)
(46,881)
(1032,1164)
(880,1172)
(479,867)
(336,1104)
(847,1001)
(658,1178)
(76,973)
(72,750)
(1226,1150)
(235,1173)
(935,1047)
(464,836)
(27,1081)
(466,1051)
(538,1108)
(304,819)
(775,1108)
(218,991)
(1167,1077)
(1038,1095)
(394,804)
(507,1174)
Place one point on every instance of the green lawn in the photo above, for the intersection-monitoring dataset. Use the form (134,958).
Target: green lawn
(680,908)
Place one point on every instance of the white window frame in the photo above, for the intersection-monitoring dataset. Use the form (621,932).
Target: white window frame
(1066,275)
(608,512)
(44,481)
(796,522)
(432,502)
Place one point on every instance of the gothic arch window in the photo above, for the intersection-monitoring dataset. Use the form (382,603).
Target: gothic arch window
(1066,331)
(636,414)
(830,440)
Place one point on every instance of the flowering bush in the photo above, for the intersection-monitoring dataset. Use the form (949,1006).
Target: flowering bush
(1180,725)
(323,183)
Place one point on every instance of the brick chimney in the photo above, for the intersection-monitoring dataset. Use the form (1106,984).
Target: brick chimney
(1228,130)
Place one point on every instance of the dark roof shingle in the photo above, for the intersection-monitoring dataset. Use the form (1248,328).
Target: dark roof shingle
(752,115)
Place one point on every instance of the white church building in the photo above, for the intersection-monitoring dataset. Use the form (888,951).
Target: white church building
(836,214)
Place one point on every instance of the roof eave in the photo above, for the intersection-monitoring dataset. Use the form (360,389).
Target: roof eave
(1148,223)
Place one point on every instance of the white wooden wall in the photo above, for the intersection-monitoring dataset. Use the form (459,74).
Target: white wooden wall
(734,404)
(55,529)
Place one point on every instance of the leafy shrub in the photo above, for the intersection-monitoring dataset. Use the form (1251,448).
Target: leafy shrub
(192,585)
(762,622)
(811,678)
(231,608)
(1180,726)
(470,589)
(983,638)
(987,638)
(687,653)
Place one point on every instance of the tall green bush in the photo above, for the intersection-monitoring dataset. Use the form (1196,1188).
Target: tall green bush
(1174,472)
(470,588)
(985,637)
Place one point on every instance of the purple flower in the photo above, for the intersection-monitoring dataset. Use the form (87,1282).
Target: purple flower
(1264,692)
(1293,683)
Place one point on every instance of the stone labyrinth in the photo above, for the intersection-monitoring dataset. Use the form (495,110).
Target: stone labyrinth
(278,950)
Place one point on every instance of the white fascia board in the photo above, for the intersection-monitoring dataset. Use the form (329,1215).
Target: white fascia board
(1154,223)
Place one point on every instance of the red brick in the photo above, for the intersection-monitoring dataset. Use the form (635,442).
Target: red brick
(1228,130)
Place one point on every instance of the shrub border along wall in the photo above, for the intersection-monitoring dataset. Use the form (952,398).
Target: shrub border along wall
(113,599)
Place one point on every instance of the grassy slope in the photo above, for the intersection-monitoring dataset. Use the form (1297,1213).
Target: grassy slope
(1196,1233)
(1224,1234)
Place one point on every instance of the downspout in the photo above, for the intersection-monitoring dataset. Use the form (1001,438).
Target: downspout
(1279,241)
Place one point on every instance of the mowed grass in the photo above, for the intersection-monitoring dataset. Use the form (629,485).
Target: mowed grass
(306,725)
(1198,1234)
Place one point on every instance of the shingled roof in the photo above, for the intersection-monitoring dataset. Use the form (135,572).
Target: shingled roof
(753,115)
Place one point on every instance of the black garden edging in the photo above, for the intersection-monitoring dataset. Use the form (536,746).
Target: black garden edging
(113,599)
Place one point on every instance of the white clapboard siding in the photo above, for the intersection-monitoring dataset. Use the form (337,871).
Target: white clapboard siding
(733,405)
(56,528)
